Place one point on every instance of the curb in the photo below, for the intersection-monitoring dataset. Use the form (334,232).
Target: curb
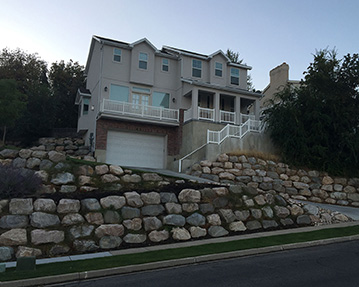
(170,263)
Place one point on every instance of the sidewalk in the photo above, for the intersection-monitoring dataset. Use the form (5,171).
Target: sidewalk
(177,262)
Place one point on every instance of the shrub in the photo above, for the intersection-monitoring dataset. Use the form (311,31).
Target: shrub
(18,182)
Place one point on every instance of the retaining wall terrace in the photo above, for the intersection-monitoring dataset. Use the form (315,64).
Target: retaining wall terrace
(73,214)
(269,176)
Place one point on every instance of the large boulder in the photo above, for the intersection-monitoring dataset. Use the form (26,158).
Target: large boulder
(16,236)
(39,236)
(13,221)
(68,206)
(21,206)
(189,195)
(43,220)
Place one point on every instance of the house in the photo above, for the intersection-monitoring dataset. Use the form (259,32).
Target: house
(147,107)
(279,79)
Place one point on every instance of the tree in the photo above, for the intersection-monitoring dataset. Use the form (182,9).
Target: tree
(12,104)
(30,74)
(65,79)
(317,124)
(233,57)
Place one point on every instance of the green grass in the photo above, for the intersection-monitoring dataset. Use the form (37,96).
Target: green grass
(161,255)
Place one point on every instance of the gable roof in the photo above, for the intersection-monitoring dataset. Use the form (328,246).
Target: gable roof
(144,40)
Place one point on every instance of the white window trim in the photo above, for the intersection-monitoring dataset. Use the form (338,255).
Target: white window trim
(168,65)
(215,68)
(139,60)
(113,56)
(197,68)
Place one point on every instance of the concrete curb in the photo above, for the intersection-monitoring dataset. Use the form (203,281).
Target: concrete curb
(180,262)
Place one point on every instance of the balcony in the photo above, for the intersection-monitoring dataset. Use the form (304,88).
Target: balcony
(138,112)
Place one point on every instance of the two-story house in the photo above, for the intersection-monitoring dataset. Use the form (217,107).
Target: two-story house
(147,107)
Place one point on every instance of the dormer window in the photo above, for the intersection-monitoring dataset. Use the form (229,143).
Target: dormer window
(117,55)
(218,70)
(165,65)
(235,76)
(143,59)
(196,68)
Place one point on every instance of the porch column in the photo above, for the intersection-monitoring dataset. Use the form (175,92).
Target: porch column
(195,103)
(217,115)
(237,110)
(256,109)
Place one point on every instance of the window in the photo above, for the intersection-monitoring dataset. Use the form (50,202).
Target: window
(235,76)
(160,99)
(86,104)
(141,90)
(117,55)
(119,93)
(196,68)
(143,58)
(165,65)
(218,69)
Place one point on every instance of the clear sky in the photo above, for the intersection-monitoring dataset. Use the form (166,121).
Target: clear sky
(266,33)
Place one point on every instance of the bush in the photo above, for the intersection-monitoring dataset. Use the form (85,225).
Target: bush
(15,182)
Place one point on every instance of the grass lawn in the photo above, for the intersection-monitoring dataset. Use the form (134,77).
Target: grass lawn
(161,255)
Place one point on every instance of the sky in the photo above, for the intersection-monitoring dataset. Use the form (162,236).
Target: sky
(266,33)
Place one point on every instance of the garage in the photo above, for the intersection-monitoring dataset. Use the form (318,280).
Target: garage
(135,149)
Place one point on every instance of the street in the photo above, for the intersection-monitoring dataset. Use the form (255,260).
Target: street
(328,265)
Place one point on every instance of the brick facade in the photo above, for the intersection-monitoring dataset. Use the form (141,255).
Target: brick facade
(174,134)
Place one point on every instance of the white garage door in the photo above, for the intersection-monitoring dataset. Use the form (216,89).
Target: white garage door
(135,149)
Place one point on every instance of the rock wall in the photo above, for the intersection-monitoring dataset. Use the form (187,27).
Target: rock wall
(269,176)
(32,157)
(71,214)
(44,227)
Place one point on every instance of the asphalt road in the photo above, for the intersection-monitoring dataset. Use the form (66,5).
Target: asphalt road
(328,265)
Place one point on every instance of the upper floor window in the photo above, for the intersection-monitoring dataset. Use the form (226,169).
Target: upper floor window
(143,59)
(119,93)
(161,99)
(165,65)
(196,68)
(86,105)
(235,76)
(117,55)
(218,70)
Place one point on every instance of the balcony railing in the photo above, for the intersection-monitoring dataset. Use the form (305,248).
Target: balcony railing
(137,110)
(205,114)
(228,117)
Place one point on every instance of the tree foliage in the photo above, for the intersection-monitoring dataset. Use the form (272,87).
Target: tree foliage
(65,79)
(233,56)
(317,124)
(50,95)
(12,103)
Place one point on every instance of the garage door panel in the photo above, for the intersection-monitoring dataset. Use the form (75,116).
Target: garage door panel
(135,149)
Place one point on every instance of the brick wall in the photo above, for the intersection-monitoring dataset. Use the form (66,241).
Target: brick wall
(174,134)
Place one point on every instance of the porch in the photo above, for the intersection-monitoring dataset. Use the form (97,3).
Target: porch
(221,107)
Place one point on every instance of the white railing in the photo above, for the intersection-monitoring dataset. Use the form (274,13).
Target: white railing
(228,117)
(187,115)
(130,109)
(234,131)
(245,117)
(205,114)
